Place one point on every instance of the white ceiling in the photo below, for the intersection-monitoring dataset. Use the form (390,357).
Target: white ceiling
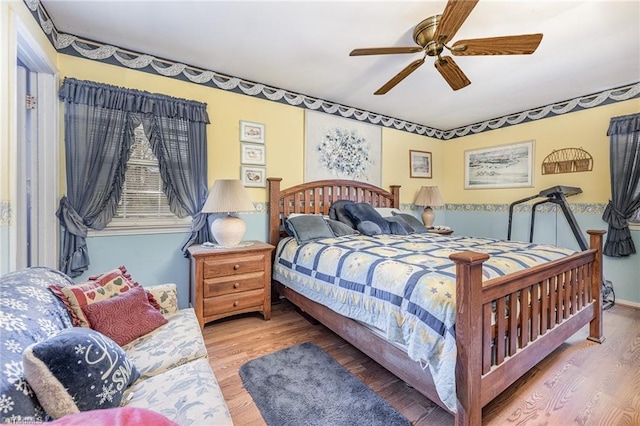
(303,47)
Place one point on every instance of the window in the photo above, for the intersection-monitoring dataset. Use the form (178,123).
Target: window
(634,222)
(143,206)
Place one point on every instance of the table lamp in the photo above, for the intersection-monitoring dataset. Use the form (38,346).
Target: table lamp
(429,196)
(228,196)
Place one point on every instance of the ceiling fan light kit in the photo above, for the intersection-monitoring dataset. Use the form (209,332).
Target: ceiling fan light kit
(432,34)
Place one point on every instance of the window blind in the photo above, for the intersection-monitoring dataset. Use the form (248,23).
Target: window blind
(142,195)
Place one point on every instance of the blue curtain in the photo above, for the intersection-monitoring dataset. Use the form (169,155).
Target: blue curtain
(183,168)
(624,160)
(99,121)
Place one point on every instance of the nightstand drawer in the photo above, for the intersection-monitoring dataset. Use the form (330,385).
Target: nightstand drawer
(233,302)
(233,284)
(230,265)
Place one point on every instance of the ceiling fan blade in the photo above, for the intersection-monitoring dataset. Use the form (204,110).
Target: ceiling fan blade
(451,72)
(385,50)
(399,77)
(454,15)
(509,45)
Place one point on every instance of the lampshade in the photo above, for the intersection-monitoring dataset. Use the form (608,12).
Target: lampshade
(429,196)
(228,196)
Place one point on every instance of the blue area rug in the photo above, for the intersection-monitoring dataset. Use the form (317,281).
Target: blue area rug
(303,385)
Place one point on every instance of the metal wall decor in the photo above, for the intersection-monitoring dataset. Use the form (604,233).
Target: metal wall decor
(567,160)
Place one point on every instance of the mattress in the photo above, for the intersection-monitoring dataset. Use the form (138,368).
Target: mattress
(402,285)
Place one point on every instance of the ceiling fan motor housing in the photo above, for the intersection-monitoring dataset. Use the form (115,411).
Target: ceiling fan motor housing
(424,33)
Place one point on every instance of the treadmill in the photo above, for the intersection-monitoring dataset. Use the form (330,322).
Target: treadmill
(557,195)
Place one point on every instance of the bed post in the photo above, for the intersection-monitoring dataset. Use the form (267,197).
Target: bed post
(595,326)
(395,191)
(469,336)
(274,210)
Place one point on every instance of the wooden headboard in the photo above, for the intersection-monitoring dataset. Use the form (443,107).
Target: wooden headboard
(316,198)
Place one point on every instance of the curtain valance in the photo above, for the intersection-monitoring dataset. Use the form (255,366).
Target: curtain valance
(131,100)
(624,125)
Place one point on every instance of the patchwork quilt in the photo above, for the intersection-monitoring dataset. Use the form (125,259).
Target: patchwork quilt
(403,285)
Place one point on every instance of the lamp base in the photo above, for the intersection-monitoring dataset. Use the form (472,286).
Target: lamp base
(428,216)
(228,231)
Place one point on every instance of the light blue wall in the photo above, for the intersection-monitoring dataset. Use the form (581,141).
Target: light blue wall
(4,249)
(156,259)
(552,228)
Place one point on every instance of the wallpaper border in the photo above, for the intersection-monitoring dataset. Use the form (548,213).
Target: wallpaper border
(5,213)
(76,46)
(577,208)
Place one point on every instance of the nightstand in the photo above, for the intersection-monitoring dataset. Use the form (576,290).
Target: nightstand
(441,231)
(230,281)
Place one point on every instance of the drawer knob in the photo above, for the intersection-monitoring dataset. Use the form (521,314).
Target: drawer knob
(236,267)
(236,285)
(235,303)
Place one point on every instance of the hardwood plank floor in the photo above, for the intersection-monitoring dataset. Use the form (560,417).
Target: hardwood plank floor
(581,383)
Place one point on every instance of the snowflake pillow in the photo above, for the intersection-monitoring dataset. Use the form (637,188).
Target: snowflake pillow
(78,370)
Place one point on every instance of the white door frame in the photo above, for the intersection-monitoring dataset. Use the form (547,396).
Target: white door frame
(45,241)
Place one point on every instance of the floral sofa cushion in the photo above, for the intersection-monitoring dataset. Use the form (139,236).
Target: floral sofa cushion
(166,295)
(173,344)
(29,313)
(188,395)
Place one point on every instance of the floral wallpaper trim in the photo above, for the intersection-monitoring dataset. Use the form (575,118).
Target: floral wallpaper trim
(75,46)
(578,208)
(5,213)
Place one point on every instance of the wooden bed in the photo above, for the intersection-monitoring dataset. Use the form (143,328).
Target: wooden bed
(485,366)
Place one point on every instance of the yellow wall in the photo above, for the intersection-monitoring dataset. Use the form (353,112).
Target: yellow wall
(586,129)
(284,126)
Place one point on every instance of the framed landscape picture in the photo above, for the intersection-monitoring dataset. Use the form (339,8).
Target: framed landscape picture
(504,166)
(420,165)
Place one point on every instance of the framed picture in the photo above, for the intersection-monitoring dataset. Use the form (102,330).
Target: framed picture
(420,165)
(505,166)
(252,154)
(341,148)
(251,132)
(254,176)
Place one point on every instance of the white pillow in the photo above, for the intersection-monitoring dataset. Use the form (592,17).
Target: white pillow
(292,215)
(386,211)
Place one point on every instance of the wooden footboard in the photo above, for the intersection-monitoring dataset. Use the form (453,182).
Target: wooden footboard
(504,326)
(524,317)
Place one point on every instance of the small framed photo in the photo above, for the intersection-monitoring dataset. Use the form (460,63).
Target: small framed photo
(254,176)
(420,165)
(252,154)
(251,132)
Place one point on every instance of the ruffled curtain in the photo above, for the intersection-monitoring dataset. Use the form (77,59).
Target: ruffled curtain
(183,168)
(624,133)
(99,121)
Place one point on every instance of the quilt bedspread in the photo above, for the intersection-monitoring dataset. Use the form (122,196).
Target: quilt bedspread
(403,285)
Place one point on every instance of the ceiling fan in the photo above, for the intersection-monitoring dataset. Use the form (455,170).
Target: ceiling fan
(432,34)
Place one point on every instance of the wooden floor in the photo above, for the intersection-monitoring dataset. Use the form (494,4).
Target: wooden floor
(581,383)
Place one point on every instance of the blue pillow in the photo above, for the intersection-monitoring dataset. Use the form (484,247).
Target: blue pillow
(76,370)
(337,212)
(366,227)
(398,225)
(308,227)
(340,229)
(413,222)
(361,212)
